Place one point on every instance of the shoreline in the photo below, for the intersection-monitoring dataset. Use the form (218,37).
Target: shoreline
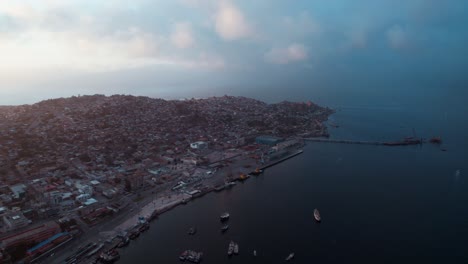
(154,208)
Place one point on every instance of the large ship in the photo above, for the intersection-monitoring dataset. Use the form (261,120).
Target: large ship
(317,216)
(405,142)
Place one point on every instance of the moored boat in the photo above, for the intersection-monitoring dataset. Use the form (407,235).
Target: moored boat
(256,172)
(224,228)
(125,241)
(317,216)
(95,250)
(134,235)
(143,228)
(243,177)
(110,256)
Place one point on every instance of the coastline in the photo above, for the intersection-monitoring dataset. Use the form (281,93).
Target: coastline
(152,209)
(160,201)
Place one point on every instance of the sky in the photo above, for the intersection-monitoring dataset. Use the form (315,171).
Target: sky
(267,49)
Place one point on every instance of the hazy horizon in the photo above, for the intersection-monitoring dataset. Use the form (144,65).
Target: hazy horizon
(271,51)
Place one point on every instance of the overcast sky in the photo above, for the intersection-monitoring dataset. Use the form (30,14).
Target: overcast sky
(269,49)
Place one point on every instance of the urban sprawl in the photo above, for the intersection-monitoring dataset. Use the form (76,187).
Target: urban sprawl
(81,176)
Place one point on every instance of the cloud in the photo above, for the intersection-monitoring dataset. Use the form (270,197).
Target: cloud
(397,37)
(293,53)
(182,35)
(301,25)
(230,23)
(49,37)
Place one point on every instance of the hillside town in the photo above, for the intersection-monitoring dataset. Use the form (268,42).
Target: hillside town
(71,166)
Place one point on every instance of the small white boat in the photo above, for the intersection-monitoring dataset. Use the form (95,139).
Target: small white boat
(255,253)
(317,216)
(290,256)
(224,216)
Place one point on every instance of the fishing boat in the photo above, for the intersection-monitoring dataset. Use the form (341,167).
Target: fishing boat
(317,216)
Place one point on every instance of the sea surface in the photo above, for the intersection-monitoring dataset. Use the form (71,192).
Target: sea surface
(379,204)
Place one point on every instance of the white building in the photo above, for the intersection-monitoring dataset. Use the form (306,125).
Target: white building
(83,197)
(199,145)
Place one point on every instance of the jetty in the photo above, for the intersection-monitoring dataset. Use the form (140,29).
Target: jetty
(272,163)
(343,141)
(405,142)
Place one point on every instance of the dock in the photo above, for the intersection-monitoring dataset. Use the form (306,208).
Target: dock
(282,159)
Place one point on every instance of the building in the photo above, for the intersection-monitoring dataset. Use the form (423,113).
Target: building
(15,220)
(199,145)
(34,234)
(49,243)
(18,190)
(268,140)
(83,197)
(135,180)
(287,144)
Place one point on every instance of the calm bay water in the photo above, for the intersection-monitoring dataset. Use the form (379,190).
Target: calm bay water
(378,204)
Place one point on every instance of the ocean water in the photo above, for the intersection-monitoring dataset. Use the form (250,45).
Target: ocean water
(379,204)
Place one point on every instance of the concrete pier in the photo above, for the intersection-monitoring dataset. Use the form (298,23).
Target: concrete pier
(326,140)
